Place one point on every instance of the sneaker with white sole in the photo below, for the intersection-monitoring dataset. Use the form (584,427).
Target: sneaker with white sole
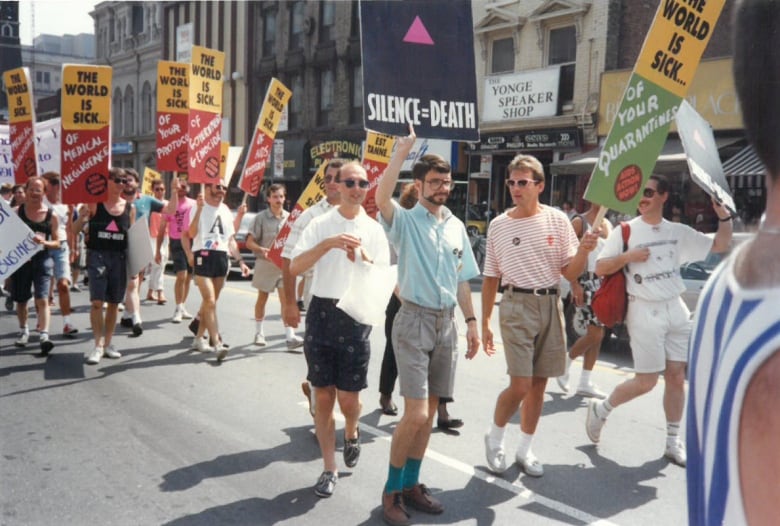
(222,351)
(69,330)
(111,352)
(185,315)
(675,452)
(94,356)
(530,464)
(496,459)
(591,391)
(260,339)
(563,382)
(177,316)
(294,343)
(46,345)
(202,345)
(22,340)
(593,422)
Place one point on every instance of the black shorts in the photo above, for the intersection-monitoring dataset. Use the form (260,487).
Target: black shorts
(211,263)
(337,348)
(107,271)
(179,256)
(34,275)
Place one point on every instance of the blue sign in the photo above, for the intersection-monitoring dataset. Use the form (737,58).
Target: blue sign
(120,148)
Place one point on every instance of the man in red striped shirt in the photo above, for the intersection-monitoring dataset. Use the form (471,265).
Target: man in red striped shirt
(529,248)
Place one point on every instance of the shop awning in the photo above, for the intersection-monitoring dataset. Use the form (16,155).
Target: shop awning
(745,169)
(672,159)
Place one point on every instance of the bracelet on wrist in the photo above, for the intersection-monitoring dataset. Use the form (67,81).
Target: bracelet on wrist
(470,319)
(727,218)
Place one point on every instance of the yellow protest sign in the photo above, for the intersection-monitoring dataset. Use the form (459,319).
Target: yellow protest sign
(86,97)
(19,93)
(149,177)
(206,79)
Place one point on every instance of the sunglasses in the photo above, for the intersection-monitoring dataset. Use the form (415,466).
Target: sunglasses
(220,187)
(350,183)
(159,189)
(119,180)
(649,192)
(520,182)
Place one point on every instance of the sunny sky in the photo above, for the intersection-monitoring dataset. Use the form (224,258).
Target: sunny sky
(54,18)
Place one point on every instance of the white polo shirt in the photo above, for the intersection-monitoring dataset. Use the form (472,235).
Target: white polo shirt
(332,272)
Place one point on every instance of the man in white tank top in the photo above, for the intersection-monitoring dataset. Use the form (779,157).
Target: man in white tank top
(734,384)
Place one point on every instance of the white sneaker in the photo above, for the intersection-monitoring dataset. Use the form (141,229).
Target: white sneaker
(69,330)
(111,352)
(94,356)
(675,452)
(202,345)
(593,422)
(22,340)
(563,382)
(530,464)
(177,316)
(496,459)
(260,339)
(185,315)
(296,342)
(591,391)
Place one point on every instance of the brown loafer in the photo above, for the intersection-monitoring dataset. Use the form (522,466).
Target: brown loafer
(419,497)
(393,509)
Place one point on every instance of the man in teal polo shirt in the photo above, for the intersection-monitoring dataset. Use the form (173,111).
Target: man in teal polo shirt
(432,278)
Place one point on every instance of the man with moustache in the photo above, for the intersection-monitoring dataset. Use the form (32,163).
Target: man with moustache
(657,320)
(435,264)
(337,347)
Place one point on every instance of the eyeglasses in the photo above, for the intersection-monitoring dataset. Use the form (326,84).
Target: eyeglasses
(650,192)
(159,189)
(521,182)
(350,183)
(220,187)
(438,183)
(119,180)
(54,182)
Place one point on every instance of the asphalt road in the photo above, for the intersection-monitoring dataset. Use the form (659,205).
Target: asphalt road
(165,435)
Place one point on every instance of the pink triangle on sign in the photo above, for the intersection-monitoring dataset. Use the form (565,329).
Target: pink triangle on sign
(417,33)
(112,227)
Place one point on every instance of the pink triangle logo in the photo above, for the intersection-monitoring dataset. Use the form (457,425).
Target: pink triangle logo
(417,33)
(112,227)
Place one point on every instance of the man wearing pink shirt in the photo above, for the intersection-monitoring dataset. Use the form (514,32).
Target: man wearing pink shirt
(178,223)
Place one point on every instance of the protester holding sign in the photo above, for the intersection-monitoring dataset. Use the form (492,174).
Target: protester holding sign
(334,373)
(108,223)
(36,273)
(435,264)
(657,320)
(733,421)
(178,224)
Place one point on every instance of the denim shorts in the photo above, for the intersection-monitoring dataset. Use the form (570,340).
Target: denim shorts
(61,258)
(337,348)
(107,273)
(33,275)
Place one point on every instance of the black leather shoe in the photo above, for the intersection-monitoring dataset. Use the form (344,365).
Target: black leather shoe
(351,450)
(452,423)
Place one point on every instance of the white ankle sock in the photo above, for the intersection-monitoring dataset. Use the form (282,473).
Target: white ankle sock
(496,435)
(289,333)
(525,445)
(672,432)
(259,326)
(584,378)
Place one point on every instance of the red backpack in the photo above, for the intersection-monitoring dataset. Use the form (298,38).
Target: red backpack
(609,302)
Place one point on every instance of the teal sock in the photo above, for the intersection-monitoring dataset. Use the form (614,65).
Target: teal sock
(412,472)
(395,479)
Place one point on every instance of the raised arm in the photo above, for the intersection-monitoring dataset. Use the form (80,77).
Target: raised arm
(388,180)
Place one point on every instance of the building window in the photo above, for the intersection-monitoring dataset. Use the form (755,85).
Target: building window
(325,106)
(295,83)
(503,55)
(269,33)
(46,78)
(356,94)
(327,21)
(137,20)
(146,108)
(296,26)
(129,104)
(563,51)
(116,112)
(39,77)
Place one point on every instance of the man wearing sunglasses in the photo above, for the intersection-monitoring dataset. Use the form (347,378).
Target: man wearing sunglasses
(435,264)
(109,222)
(337,347)
(657,320)
(529,248)
(213,237)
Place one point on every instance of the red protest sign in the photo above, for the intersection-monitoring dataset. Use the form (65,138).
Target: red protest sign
(86,133)
(376,156)
(173,80)
(21,117)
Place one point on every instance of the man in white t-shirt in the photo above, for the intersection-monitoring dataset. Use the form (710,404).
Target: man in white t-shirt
(657,320)
(213,237)
(337,347)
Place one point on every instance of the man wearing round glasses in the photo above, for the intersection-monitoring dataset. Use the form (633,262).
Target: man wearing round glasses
(337,347)
(435,264)
(657,320)
(529,248)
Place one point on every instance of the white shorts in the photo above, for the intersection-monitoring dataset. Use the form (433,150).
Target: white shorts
(659,331)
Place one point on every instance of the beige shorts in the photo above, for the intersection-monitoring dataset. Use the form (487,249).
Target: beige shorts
(267,276)
(659,331)
(532,328)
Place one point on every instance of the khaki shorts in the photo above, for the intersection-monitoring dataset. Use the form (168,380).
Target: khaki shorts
(267,276)
(659,331)
(425,343)
(532,328)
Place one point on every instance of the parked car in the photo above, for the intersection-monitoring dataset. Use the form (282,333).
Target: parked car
(696,274)
(243,230)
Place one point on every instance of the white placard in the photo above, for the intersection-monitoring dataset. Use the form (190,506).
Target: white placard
(525,95)
(16,241)
(184,37)
(139,248)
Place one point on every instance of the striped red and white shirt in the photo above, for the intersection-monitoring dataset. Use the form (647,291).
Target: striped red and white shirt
(530,252)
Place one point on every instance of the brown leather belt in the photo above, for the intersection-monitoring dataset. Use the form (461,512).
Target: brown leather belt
(536,292)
